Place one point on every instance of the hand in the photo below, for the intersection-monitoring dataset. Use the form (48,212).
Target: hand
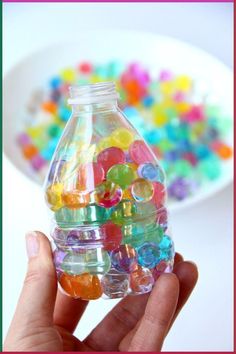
(45,319)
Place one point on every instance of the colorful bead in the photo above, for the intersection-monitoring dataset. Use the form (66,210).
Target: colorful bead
(122,138)
(84,286)
(142,190)
(124,212)
(112,236)
(121,174)
(75,198)
(29,151)
(140,153)
(54,196)
(148,255)
(110,157)
(108,194)
(124,259)
(115,284)
(151,172)
(141,280)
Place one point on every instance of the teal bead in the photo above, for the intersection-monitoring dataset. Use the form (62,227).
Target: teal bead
(210,168)
(115,68)
(93,261)
(92,214)
(54,130)
(183,168)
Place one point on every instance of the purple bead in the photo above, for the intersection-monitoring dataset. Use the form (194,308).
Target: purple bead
(23,139)
(165,75)
(37,162)
(179,188)
(58,256)
(72,238)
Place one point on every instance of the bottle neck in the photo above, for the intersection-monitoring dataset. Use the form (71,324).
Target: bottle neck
(95,107)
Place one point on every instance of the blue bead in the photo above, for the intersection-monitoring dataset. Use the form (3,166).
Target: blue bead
(55,82)
(64,114)
(47,154)
(201,151)
(166,248)
(148,255)
(153,136)
(148,101)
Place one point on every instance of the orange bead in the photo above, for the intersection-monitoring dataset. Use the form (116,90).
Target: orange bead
(75,199)
(84,286)
(224,151)
(29,151)
(50,107)
(127,194)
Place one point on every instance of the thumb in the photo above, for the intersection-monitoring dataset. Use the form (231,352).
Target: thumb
(37,299)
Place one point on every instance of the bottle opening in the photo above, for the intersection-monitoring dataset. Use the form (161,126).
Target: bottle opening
(95,93)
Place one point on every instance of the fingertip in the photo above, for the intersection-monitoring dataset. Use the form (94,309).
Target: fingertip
(178,258)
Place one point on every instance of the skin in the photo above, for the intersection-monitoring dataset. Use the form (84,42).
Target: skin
(45,319)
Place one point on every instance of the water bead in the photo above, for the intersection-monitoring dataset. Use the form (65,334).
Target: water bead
(122,138)
(55,82)
(124,258)
(183,168)
(64,113)
(75,198)
(166,248)
(108,194)
(210,168)
(84,286)
(223,151)
(58,256)
(54,196)
(151,172)
(115,284)
(121,174)
(29,151)
(179,189)
(110,157)
(24,139)
(50,107)
(85,68)
(37,162)
(142,190)
(183,83)
(141,280)
(90,175)
(162,218)
(127,195)
(112,236)
(124,212)
(68,75)
(148,255)
(140,153)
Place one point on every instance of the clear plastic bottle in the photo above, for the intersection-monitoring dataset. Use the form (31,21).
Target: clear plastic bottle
(107,193)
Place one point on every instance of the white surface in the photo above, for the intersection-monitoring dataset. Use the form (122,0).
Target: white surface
(203,233)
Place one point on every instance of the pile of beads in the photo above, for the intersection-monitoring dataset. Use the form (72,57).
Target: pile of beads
(107,194)
(185,130)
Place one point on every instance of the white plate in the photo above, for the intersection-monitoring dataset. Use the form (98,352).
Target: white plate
(155,52)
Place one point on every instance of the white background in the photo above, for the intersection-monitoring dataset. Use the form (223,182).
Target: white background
(203,233)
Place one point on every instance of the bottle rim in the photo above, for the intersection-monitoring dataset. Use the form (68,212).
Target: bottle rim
(94,93)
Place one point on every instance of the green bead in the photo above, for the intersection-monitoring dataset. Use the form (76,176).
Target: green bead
(124,212)
(210,168)
(183,168)
(93,261)
(54,130)
(92,214)
(165,145)
(121,174)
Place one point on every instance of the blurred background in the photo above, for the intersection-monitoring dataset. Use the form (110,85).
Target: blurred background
(203,231)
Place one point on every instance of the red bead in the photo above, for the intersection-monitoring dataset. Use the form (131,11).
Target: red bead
(90,175)
(140,153)
(110,157)
(112,236)
(85,68)
(159,194)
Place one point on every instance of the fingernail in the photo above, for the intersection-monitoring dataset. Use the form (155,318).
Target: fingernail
(32,244)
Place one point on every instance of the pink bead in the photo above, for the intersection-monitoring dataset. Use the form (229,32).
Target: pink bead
(37,162)
(110,157)
(140,153)
(190,157)
(112,236)
(195,114)
(179,96)
(24,139)
(165,75)
(159,194)
(108,194)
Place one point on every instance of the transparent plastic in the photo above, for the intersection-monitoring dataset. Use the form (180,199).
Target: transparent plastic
(107,193)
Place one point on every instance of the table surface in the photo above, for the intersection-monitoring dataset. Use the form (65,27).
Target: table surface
(203,233)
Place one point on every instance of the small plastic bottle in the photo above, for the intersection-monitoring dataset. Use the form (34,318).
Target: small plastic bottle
(107,193)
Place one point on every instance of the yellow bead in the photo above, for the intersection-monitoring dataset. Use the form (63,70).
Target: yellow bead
(122,138)
(127,194)
(182,107)
(104,144)
(167,88)
(160,119)
(183,83)
(68,75)
(54,196)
